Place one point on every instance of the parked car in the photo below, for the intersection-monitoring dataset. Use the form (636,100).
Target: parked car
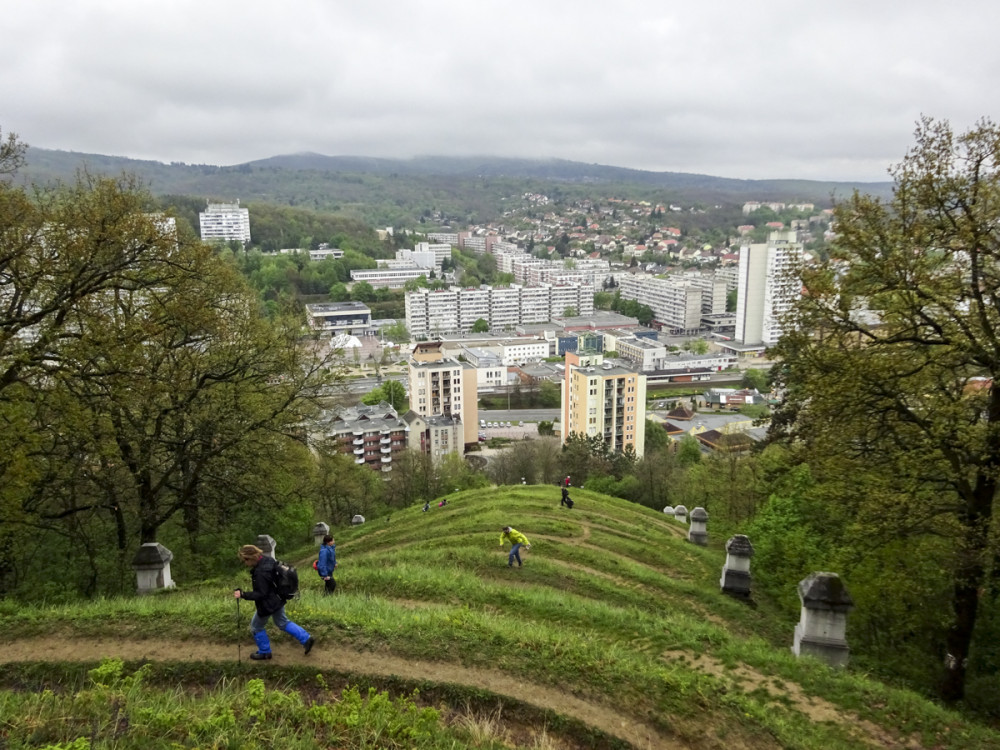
(482,422)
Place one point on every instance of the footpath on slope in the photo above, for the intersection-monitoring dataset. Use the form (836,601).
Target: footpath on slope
(341,659)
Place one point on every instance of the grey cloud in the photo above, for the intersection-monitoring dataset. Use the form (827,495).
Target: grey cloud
(774,89)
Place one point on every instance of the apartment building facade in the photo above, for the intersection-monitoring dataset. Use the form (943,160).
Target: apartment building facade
(676,303)
(434,312)
(371,435)
(445,387)
(768,286)
(605,400)
(222,222)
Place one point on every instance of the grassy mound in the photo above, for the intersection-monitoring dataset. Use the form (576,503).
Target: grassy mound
(613,634)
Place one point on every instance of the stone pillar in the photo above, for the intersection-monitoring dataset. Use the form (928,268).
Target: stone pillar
(698,532)
(152,567)
(681,513)
(267,545)
(735,579)
(358,519)
(821,629)
(319,531)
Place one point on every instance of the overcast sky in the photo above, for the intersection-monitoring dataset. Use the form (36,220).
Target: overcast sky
(734,89)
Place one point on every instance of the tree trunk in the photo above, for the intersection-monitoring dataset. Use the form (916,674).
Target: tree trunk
(970,573)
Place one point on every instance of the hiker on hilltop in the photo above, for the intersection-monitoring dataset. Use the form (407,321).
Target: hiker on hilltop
(517,540)
(268,603)
(327,563)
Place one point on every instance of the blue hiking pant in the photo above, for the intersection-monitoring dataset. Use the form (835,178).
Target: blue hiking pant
(257,624)
(514,554)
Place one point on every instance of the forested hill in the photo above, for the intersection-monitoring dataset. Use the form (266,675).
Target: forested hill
(399,191)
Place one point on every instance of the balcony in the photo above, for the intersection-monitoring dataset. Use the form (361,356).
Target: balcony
(387,468)
(385,440)
(387,459)
(359,460)
(386,449)
(359,451)
(358,441)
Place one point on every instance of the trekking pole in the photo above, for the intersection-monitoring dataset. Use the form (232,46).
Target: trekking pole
(239,627)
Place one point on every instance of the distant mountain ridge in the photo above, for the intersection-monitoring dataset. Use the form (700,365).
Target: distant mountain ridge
(399,191)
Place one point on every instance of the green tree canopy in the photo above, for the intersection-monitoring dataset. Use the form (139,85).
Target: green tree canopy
(891,372)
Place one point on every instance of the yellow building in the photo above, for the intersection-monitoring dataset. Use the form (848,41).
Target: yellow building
(599,398)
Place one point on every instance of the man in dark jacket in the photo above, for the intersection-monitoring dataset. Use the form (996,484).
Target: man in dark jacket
(565,498)
(327,564)
(268,602)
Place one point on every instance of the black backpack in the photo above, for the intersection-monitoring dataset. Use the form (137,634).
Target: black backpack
(286,580)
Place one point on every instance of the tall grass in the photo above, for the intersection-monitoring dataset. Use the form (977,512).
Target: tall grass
(612,607)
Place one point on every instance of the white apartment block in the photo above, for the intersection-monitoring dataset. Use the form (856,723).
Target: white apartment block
(505,308)
(225,222)
(441,250)
(643,353)
(443,238)
(389,278)
(675,303)
(413,258)
(441,311)
(713,288)
(501,246)
(730,274)
(475,306)
(475,244)
(768,287)
(490,372)
(523,350)
(326,252)
(506,259)
(536,304)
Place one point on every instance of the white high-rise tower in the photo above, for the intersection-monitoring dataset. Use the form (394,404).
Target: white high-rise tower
(768,285)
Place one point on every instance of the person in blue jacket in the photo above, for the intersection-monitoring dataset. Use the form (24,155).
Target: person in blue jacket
(268,603)
(327,564)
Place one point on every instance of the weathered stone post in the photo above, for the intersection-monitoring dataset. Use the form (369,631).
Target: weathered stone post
(267,545)
(735,579)
(152,567)
(698,531)
(823,624)
(681,513)
(319,531)
(358,519)
(669,510)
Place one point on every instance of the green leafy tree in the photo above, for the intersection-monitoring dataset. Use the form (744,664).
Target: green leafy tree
(397,332)
(362,291)
(395,394)
(892,370)
(339,292)
(480,326)
(757,379)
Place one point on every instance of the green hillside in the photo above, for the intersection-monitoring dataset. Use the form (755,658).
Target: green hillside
(613,634)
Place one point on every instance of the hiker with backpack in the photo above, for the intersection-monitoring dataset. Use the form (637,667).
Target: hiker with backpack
(327,563)
(268,601)
(517,540)
(565,498)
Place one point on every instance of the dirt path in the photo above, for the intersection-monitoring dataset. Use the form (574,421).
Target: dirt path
(346,660)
